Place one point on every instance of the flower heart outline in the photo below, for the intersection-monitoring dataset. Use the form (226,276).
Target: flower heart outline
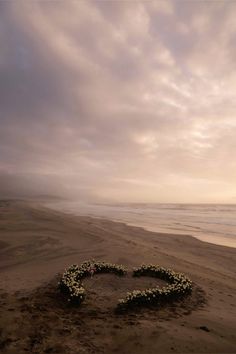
(179,285)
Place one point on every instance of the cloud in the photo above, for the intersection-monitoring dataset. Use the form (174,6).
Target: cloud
(119,100)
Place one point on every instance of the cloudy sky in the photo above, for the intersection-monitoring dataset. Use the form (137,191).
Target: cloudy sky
(119,100)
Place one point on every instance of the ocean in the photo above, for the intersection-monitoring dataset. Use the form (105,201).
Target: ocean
(214,223)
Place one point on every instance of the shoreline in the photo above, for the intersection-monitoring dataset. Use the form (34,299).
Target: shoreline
(204,236)
(37,243)
(221,241)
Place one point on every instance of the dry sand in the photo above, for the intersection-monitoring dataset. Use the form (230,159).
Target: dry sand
(37,243)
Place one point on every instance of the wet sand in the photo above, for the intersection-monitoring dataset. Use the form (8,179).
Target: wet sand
(36,244)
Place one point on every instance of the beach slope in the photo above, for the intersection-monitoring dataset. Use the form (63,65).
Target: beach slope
(36,244)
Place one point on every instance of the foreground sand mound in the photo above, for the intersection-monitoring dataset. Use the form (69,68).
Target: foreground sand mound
(42,322)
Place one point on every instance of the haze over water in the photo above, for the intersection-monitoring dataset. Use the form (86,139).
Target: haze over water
(214,223)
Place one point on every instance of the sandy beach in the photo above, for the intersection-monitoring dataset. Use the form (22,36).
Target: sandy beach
(36,244)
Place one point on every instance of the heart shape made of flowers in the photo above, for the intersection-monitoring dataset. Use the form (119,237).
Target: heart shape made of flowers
(179,285)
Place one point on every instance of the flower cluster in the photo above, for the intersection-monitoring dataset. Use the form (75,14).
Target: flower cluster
(71,280)
(179,286)
(70,285)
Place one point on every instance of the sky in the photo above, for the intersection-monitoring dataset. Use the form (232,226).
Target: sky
(118,100)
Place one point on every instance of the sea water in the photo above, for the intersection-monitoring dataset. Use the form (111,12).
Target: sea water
(214,223)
